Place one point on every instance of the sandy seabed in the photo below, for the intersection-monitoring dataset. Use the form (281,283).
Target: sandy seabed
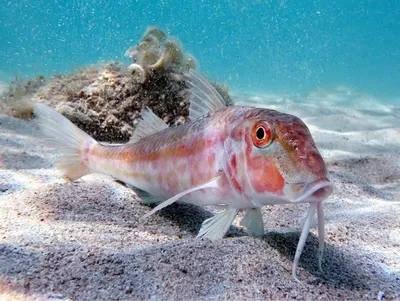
(83,240)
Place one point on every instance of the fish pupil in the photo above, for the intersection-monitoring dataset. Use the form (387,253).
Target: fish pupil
(260,133)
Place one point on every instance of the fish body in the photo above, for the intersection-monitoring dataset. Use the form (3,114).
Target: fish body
(169,162)
(240,157)
(179,158)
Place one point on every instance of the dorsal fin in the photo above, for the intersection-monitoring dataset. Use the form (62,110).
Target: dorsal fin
(149,125)
(204,98)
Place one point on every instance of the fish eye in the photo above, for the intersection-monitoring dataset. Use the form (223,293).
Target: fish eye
(261,134)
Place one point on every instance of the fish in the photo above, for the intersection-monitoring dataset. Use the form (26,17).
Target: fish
(236,157)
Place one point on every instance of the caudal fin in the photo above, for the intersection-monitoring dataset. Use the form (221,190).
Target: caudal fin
(71,141)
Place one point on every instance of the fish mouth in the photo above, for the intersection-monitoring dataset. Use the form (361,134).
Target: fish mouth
(314,191)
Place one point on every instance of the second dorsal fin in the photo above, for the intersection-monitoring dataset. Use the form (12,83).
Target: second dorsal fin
(204,98)
(149,125)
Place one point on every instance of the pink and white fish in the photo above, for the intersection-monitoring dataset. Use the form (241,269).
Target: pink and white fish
(240,157)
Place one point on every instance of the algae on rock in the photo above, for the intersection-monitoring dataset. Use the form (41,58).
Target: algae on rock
(106,100)
(156,52)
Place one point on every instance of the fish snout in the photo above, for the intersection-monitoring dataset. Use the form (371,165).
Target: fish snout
(317,190)
(309,191)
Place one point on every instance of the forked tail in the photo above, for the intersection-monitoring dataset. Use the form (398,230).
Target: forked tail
(73,143)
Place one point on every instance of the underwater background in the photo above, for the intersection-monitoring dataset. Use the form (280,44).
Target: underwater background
(333,64)
(280,46)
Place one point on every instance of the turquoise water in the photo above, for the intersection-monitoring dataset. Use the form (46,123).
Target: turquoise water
(280,46)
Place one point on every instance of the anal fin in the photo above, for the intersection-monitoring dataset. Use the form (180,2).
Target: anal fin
(216,226)
(148,198)
(253,221)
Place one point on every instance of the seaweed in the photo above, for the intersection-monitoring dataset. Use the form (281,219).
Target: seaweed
(155,52)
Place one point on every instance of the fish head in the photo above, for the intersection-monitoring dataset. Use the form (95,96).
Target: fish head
(272,158)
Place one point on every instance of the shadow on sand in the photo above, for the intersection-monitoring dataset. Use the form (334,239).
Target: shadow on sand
(338,267)
(86,272)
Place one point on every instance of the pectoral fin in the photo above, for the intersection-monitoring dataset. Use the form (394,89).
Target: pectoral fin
(253,222)
(216,226)
(211,184)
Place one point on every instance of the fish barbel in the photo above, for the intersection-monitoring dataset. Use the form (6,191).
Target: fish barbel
(240,157)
